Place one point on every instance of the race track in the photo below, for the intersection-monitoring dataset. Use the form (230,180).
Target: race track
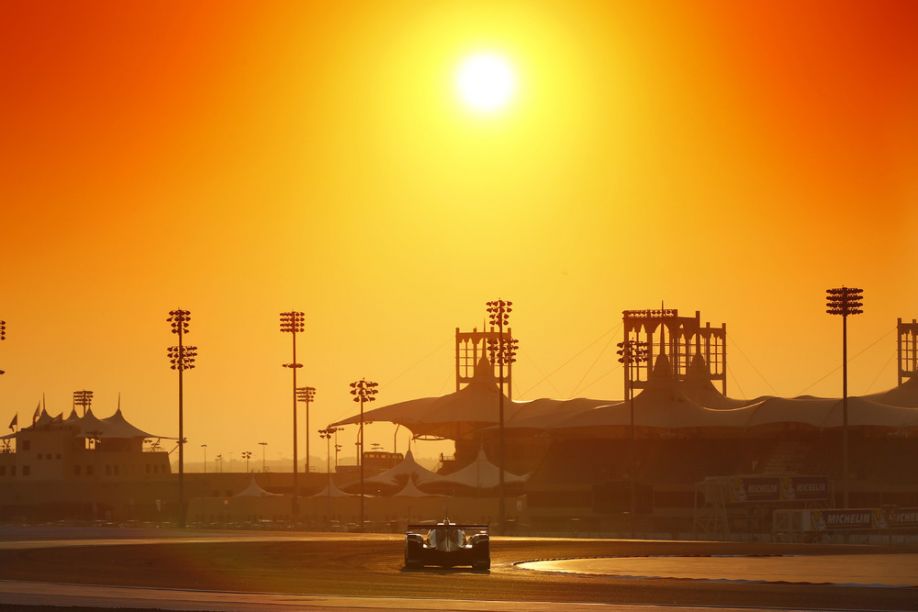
(341,567)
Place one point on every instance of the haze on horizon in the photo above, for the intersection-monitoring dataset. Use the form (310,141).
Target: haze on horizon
(732,158)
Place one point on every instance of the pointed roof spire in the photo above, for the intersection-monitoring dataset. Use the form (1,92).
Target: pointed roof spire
(698,368)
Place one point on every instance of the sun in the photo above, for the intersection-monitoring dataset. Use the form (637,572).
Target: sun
(486,82)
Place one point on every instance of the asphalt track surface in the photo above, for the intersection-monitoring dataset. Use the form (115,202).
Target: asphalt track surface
(351,568)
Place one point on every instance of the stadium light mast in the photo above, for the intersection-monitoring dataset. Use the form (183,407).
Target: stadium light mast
(181,358)
(327,434)
(502,353)
(246,455)
(337,448)
(83,399)
(264,446)
(293,322)
(363,391)
(2,337)
(632,353)
(307,395)
(204,446)
(846,302)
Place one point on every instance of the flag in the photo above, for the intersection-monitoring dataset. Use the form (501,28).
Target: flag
(14,422)
(37,413)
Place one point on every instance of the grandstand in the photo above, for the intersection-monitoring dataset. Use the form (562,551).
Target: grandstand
(578,458)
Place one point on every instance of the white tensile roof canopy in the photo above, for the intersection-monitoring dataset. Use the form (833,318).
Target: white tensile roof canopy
(480,474)
(407,469)
(255,490)
(666,403)
(455,414)
(89,425)
(332,490)
(411,490)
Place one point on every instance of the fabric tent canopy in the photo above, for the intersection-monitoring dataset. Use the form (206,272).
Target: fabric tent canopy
(90,426)
(332,490)
(451,415)
(665,403)
(116,426)
(480,474)
(255,490)
(406,468)
(411,490)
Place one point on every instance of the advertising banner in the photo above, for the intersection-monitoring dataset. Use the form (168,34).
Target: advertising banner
(903,517)
(806,488)
(836,520)
(765,489)
(761,489)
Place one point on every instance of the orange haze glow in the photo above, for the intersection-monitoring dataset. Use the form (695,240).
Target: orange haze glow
(242,158)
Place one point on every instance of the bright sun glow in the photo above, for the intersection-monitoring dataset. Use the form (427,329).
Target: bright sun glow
(486,82)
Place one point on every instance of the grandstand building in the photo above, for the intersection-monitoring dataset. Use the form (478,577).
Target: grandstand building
(83,467)
(701,460)
(81,448)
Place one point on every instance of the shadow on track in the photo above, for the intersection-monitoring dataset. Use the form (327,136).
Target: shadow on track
(444,571)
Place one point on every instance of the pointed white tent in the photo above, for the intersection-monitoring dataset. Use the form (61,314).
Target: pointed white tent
(332,490)
(480,474)
(407,468)
(411,490)
(255,490)
(118,427)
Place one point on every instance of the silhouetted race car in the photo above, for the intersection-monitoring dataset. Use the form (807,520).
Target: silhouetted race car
(447,544)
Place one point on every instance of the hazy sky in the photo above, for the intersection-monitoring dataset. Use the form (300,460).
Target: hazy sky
(242,158)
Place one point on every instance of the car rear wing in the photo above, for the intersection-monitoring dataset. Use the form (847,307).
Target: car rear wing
(466,526)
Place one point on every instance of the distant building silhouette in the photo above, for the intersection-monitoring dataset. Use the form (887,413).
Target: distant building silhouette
(83,449)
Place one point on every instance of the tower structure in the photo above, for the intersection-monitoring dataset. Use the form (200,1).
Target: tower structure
(680,339)
(471,347)
(907,349)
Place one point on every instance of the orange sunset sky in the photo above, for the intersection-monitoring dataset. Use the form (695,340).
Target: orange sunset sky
(242,158)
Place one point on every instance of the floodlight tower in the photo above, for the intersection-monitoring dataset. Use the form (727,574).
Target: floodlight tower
(503,353)
(264,446)
(204,446)
(307,395)
(181,358)
(2,337)
(83,398)
(631,353)
(337,447)
(363,391)
(293,322)
(844,301)
(327,434)
(246,455)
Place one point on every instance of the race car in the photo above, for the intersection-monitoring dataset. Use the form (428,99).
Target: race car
(447,544)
